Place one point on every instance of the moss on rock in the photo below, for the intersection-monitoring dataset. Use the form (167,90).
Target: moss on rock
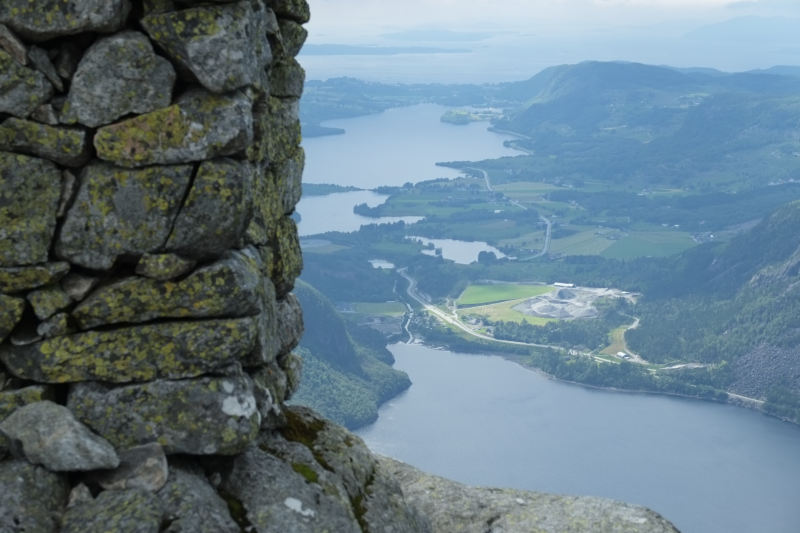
(15,279)
(289,257)
(115,511)
(296,10)
(11,310)
(22,90)
(42,20)
(66,146)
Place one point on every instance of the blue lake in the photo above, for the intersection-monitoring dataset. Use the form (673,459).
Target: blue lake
(482,420)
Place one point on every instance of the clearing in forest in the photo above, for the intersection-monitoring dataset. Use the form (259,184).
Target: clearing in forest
(500,292)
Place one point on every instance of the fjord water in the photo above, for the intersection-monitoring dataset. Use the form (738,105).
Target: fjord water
(482,420)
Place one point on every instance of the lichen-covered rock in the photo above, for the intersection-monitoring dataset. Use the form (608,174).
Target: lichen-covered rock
(268,343)
(11,400)
(45,114)
(201,125)
(292,364)
(289,176)
(274,498)
(266,206)
(42,63)
(293,36)
(121,212)
(56,326)
(296,10)
(141,467)
(215,215)
(22,89)
(42,20)
(220,44)
(199,416)
(49,435)
(79,495)
(32,498)
(11,44)
(78,286)
(191,505)
(115,511)
(226,288)
(11,310)
(289,257)
(118,75)
(66,146)
(451,506)
(286,79)
(281,124)
(290,324)
(269,386)
(67,61)
(49,300)
(172,350)
(29,192)
(69,188)
(15,279)
(164,267)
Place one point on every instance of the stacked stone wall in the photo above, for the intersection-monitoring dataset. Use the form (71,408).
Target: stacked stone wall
(149,161)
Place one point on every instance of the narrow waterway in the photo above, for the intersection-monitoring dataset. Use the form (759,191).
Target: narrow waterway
(482,420)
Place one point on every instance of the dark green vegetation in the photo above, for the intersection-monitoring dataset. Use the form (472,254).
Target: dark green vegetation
(324,189)
(346,372)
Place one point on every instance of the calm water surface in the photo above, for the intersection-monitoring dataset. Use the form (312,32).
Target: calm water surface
(462,252)
(334,212)
(710,468)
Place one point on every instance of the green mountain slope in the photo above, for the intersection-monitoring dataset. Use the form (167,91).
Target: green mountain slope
(347,372)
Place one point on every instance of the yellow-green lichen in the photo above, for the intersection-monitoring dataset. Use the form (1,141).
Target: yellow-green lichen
(11,310)
(66,146)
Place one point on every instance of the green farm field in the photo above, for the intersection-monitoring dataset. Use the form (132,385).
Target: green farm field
(485,294)
(502,311)
(388,308)
(653,243)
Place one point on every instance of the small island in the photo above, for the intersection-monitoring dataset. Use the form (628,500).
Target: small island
(324,189)
(462,117)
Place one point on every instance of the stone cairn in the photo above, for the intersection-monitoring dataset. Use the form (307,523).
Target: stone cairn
(149,162)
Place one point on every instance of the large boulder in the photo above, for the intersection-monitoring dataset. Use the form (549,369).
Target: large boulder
(49,300)
(171,350)
(452,506)
(118,75)
(48,434)
(215,215)
(33,498)
(29,193)
(296,10)
(121,212)
(115,511)
(42,20)
(66,146)
(223,46)
(140,467)
(226,288)
(22,89)
(200,125)
(203,416)
(11,400)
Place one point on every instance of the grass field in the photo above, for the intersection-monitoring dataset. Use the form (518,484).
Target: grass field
(583,243)
(484,294)
(328,249)
(502,311)
(644,243)
(617,341)
(388,308)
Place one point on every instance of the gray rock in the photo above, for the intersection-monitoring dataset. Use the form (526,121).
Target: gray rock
(266,208)
(226,288)
(269,383)
(79,495)
(191,505)
(25,334)
(66,146)
(199,126)
(11,400)
(117,511)
(171,350)
(289,176)
(121,212)
(451,506)
(67,61)
(152,7)
(40,61)
(48,434)
(141,467)
(11,44)
(268,343)
(29,191)
(292,364)
(22,89)
(55,326)
(274,498)
(288,262)
(32,498)
(15,279)
(293,36)
(200,416)
(11,310)
(42,20)
(281,125)
(46,115)
(215,215)
(117,76)
(296,10)
(221,45)
(386,509)
(78,286)
(49,300)
(69,188)
(286,79)
(290,323)
(164,267)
